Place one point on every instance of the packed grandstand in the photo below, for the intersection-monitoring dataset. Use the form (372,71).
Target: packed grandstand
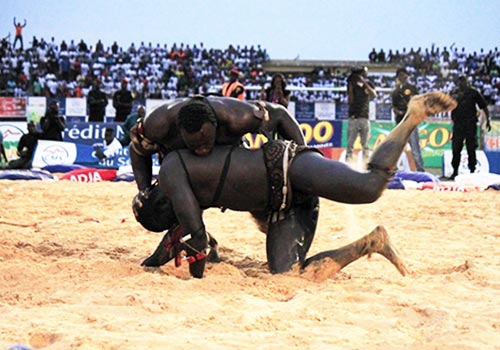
(161,71)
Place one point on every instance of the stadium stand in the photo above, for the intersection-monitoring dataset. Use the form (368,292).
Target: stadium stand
(160,71)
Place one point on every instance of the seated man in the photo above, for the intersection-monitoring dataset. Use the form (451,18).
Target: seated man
(229,119)
(110,147)
(253,180)
(25,149)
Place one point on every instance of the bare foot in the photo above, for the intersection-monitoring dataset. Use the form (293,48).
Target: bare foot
(381,244)
(320,270)
(422,106)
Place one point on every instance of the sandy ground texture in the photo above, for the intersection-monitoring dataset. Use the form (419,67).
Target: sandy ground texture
(70,277)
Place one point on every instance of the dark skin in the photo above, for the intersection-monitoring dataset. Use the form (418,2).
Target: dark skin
(245,187)
(235,118)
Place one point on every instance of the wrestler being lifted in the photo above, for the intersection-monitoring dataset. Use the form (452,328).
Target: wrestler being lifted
(282,196)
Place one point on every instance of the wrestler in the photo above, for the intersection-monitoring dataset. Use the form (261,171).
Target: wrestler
(244,180)
(228,120)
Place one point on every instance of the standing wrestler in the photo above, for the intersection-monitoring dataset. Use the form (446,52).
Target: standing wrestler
(228,120)
(465,123)
(253,180)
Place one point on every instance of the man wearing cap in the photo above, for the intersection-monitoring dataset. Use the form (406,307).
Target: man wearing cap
(233,88)
(465,123)
(123,102)
(360,92)
(401,95)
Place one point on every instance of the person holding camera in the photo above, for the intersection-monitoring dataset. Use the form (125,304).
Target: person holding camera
(360,92)
(52,124)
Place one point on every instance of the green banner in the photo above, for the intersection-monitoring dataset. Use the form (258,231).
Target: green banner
(435,138)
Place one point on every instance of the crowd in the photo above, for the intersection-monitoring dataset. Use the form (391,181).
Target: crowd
(50,68)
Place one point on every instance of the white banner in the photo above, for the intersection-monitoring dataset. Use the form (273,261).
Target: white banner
(76,107)
(36,108)
(54,153)
(324,110)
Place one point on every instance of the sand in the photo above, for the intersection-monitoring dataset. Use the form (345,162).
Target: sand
(70,277)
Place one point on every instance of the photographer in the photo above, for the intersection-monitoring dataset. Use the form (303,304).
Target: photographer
(360,92)
(52,124)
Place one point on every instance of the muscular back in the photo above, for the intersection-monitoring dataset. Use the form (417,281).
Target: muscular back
(244,187)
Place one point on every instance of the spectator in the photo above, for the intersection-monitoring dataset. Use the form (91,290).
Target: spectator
(123,101)
(277,92)
(25,149)
(465,123)
(401,95)
(110,147)
(19,33)
(52,124)
(130,122)
(360,91)
(233,88)
(97,102)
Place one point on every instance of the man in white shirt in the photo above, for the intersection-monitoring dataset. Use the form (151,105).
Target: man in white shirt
(110,147)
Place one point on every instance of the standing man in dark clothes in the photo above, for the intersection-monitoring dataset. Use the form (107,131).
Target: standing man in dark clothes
(360,92)
(401,95)
(465,123)
(97,102)
(52,124)
(123,102)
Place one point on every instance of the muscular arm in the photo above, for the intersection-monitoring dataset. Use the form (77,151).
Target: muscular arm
(239,118)
(282,122)
(173,181)
(142,167)
(156,131)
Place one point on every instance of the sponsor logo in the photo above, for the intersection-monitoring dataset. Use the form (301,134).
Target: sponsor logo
(54,154)
(11,132)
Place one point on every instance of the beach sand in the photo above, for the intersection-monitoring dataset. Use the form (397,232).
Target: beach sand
(70,277)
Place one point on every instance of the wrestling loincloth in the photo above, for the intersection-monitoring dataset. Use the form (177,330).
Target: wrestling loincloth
(279,188)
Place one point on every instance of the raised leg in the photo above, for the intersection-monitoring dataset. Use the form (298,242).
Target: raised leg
(338,182)
(376,241)
(385,157)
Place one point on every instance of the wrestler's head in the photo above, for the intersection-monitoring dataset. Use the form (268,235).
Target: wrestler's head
(197,125)
(153,210)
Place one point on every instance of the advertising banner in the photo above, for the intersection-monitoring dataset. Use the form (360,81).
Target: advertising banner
(324,110)
(36,108)
(435,138)
(12,107)
(76,107)
(321,134)
(492,138)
